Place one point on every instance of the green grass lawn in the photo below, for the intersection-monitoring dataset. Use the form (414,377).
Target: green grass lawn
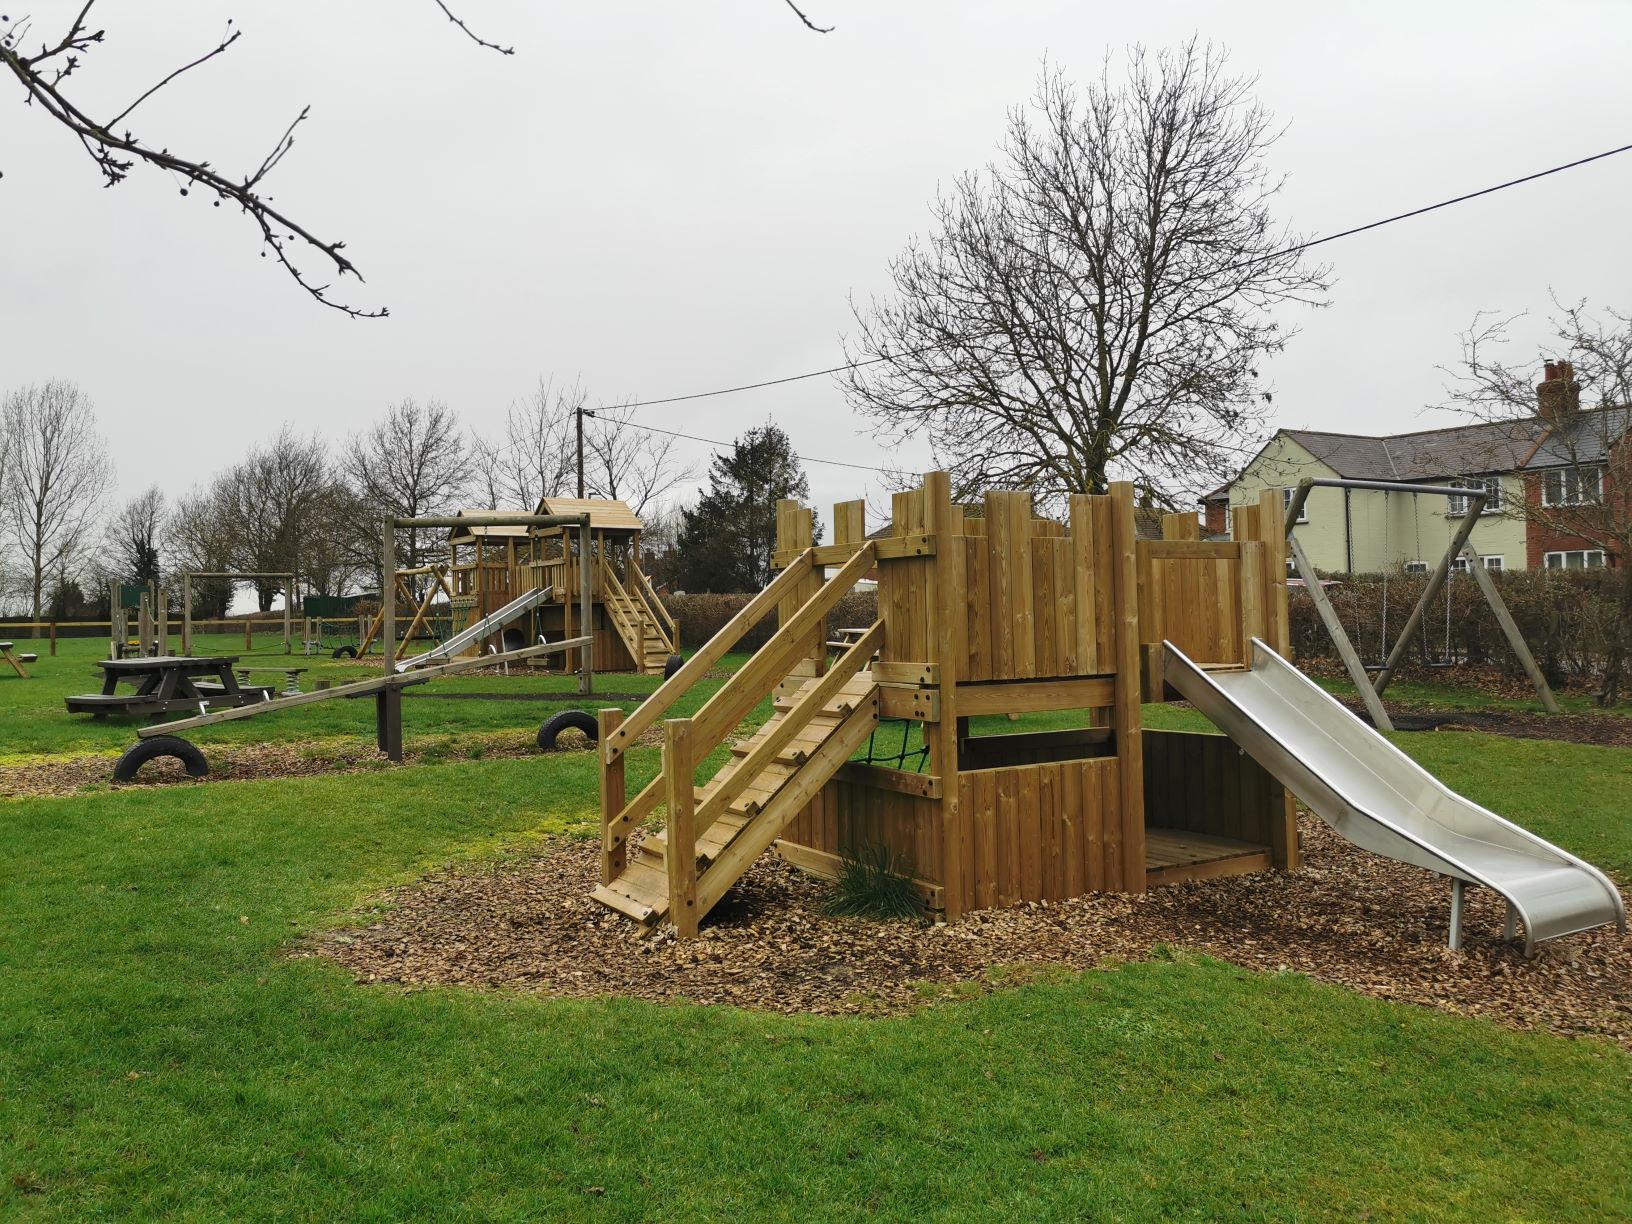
(162,1056)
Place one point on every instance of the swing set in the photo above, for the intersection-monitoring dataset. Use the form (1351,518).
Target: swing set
(1370,687)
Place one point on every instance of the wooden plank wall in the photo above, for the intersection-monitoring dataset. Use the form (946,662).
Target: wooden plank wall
(849,816)
(1041,832)
(610,653)
(1202,783)
(1037,593)
(1027,832)
(1190,595)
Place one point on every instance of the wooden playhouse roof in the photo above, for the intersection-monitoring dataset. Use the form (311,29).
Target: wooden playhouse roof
(605,514)
(484,531)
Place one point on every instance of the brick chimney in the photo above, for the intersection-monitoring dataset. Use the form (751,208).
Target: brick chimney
(1558,395)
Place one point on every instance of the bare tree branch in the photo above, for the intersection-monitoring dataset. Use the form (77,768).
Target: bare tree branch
(809,24)
(471,34)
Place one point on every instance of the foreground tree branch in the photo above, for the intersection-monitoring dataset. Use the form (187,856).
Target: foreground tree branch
(116,150)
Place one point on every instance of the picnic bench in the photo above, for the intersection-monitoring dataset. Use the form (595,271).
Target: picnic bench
(166,684)
(16,660)
(291,677)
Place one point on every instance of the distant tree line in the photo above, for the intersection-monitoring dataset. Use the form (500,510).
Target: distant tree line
(303,504)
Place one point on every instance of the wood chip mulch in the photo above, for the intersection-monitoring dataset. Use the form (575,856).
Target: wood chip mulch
(1350,918)
(1605,730)
(68,775)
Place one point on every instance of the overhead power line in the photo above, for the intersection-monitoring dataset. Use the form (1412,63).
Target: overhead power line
(1291,250)
(860,467)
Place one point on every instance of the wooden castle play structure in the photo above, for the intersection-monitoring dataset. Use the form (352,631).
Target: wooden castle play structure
(982,612)
(990,611)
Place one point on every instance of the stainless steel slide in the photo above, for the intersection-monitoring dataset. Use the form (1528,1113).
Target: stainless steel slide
(495,620)
(1383,801)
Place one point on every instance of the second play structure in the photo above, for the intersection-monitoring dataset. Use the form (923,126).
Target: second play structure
(506,585)
(991,610)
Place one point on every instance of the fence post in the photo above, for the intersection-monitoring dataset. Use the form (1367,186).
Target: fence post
(249,642)
(614,795)
(53,639)
(680,852)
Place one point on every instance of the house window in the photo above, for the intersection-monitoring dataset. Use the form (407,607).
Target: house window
(1491,562)
(1416,567)
(1575,486)
(1286,504)
(1492,485)
(1576,558)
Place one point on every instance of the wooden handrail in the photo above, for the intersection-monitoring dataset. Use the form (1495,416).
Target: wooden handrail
(654,707)
(649,593)
(747,686)
(848,665)
(729,706)
(616,588)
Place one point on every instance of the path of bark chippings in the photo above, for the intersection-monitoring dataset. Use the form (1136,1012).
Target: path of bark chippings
(1372,925)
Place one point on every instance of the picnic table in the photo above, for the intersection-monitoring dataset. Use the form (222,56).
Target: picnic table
(16,661)
(166,684)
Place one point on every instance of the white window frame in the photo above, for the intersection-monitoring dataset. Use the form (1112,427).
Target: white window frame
(1564,555)
(1564,477)
(1491,561)
(1415,567)
(1286,504)
(1456,507)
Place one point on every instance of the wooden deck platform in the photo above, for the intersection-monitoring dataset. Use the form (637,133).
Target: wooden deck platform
(1173,856)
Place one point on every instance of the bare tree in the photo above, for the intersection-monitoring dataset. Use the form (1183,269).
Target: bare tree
(135,534)
(115,149)
(278,504)
(1578,478)
(59,474)
(535,457)
(411,463)
(628,463)
(198,538)
(1096,304)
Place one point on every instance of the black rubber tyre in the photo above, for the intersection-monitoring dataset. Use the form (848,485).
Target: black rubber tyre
(574,720)
(675,663)
(512,639)
(161,746)
(344,652)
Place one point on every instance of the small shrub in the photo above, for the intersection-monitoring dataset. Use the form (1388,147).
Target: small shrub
(874,883)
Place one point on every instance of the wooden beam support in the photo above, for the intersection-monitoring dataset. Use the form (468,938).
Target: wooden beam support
(1027,696)
(1340,638)
(1515,639)
(1127,717)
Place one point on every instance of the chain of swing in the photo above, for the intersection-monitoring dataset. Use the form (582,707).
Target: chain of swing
(1384,642)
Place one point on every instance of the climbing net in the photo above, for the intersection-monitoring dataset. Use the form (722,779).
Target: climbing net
(879,751)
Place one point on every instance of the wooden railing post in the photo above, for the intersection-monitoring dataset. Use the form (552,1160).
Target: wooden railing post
(1127,717)
(944,607)
(614,794)
(681,834)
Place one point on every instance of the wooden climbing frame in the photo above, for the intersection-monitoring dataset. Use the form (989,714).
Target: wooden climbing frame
(983,612)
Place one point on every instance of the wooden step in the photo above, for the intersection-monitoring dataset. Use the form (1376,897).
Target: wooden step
(624,905)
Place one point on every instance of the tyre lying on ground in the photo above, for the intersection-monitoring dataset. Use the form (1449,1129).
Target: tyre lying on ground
(566,720)
(161,746)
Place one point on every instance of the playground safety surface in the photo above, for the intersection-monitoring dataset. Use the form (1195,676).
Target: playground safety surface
(1348,918)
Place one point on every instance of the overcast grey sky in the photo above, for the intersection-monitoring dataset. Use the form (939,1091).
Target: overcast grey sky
(663,198)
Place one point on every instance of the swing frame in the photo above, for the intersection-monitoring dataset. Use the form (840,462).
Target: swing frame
(1372,689)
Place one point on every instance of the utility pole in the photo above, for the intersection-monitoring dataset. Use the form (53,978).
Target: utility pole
(580,412)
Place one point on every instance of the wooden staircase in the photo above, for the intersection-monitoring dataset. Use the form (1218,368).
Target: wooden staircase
(750,812)
(641,621)
(712,833)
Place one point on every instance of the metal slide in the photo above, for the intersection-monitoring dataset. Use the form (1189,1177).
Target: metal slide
(494,620)
(1383,801)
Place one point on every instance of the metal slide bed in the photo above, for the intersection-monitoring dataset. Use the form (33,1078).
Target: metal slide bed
(518,606)
(1383,801)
